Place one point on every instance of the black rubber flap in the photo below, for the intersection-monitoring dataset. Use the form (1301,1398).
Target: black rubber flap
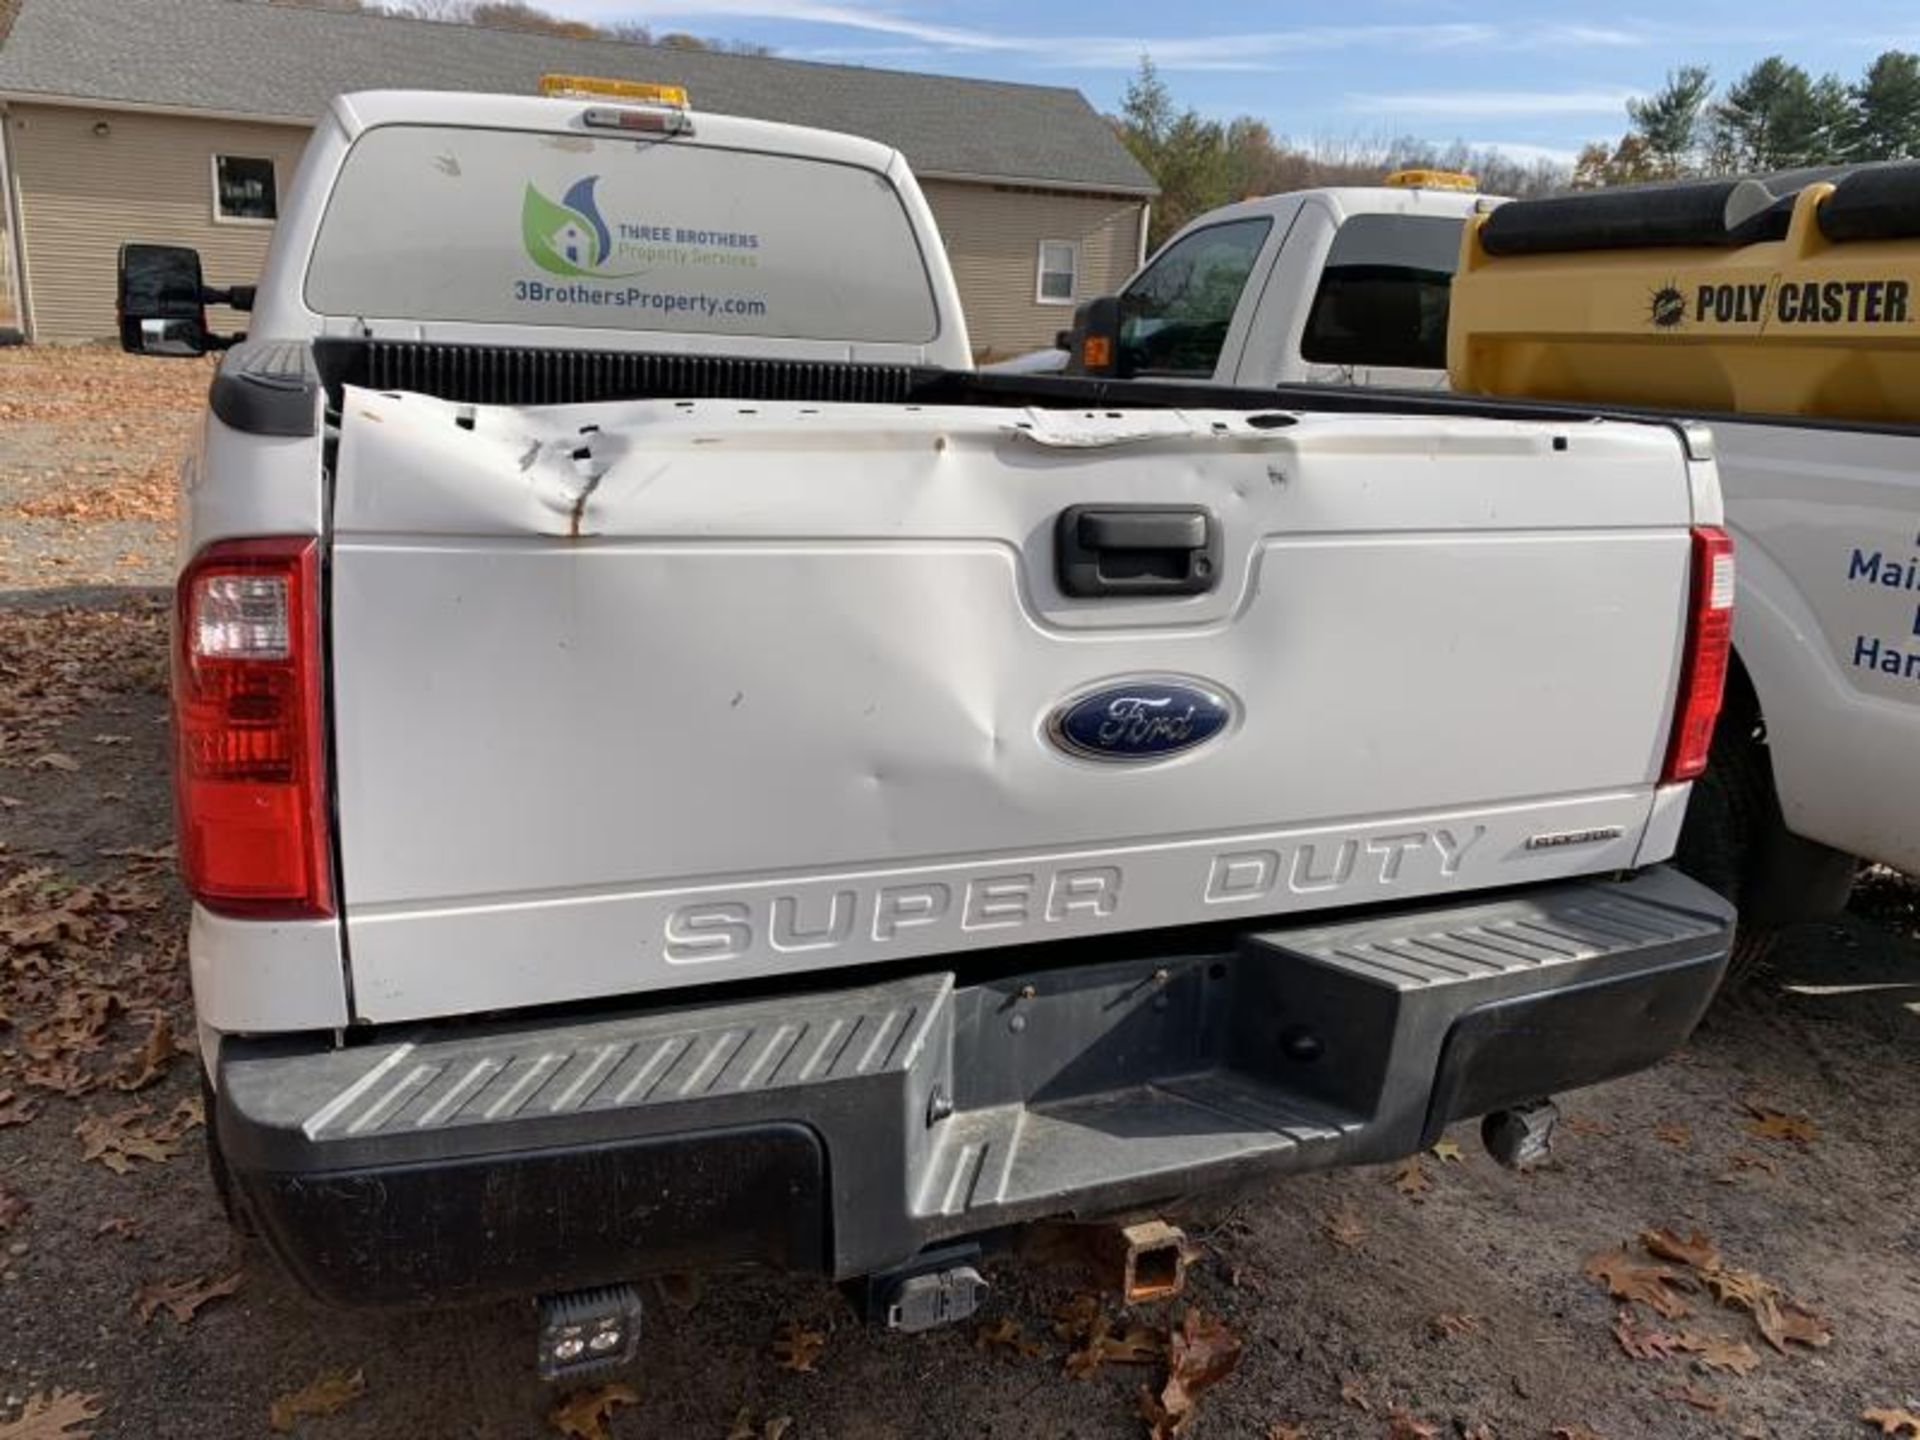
(1881,202)
(1630,218)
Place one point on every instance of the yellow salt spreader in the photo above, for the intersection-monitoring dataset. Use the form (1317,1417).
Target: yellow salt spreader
(1786,298)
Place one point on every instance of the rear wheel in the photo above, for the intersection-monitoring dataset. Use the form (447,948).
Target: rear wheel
(1735,841)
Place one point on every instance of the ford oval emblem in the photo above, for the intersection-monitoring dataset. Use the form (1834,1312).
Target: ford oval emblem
(1151,718)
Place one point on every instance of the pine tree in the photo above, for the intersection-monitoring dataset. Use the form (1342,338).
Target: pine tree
(1668,122)
(1885,123)
(1775,117)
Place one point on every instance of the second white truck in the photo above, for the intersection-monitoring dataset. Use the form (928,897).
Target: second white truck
(1814,767)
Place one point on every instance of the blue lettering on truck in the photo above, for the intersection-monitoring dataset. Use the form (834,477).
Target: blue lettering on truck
(633,297)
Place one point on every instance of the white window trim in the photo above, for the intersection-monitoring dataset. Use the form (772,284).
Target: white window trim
(213,179)
(1040,271)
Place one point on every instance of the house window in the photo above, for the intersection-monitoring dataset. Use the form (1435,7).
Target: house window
(1059,272)
(244,190)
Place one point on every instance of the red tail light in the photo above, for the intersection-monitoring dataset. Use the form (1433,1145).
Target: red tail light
(249,759)
(1703,673)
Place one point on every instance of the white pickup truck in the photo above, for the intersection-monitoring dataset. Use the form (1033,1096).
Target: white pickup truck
(1814,764)
(674,771)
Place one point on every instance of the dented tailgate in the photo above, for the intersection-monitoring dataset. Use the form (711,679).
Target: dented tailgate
(651,694)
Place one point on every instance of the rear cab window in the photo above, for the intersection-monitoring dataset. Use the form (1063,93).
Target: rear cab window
(494,226)
(1382,298)
(1175,315)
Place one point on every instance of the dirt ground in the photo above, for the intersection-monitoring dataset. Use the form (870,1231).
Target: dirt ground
(1445,1298)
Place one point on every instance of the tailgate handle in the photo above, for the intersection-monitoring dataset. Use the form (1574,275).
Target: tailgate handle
(1137,550)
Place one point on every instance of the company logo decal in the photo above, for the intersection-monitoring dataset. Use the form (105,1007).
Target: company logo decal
(1139,720)
(568,237)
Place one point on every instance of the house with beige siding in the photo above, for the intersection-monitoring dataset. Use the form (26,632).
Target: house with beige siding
(181,121)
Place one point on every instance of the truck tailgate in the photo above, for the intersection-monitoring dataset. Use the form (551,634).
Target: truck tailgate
(639,695)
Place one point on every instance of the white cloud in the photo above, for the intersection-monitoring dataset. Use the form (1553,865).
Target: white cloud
(1453,104)
(1245,50)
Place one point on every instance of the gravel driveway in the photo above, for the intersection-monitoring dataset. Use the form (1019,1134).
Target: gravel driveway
(1443,1298)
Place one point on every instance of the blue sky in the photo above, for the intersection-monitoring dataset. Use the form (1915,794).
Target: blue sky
(1531,78)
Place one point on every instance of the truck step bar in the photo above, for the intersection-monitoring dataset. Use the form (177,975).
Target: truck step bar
(848,1130)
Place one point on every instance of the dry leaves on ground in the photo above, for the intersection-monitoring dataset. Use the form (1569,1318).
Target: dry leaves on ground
(1201,1352)
(584,1415)
(1903,1423)
(1135,1345)
(1344,1228)
(13,1208)
(1627,1279)
(1649,1342)
(1699,1398)
(1780,1319)
(148,1064)
(183,1299)
(1674,1134)
(1448,1150)
(796,1347)
(1448,1324)
(1354,1393)
(1410,1178)
(1006,1337)
(326,1395)
(1766,1123)
(1575,1432)
(53,1416)
(1281,1430)
(1404,1425)
(117,1140)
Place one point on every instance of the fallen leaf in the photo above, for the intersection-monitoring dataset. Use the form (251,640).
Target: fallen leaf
(744,1429)
(54,760)
(16,1111)
(1401,1425)
(776,1428)
(1735,1355)
(1281,1430)
(13,1208)
(1696,1251)
(1448,1150)
(1355,1394)
(1783,1322)
(1410,1177)
(327,1395)
(1448,1324)
(584,1415)
(1006,1336)
(1770,1124)
(1586,1125)
(1647,1342)
(147,1065)
(796,1347)
(113,739)
(52,1416)
(1626,1279)
(1674,1134)
(182,1298)
(1482,1431)
(116,1143)
(1894,1422)
(1747,1160)
(1738,1289)
(1344,1228)
(1201,1353)
(1576,1432)
(120,1225)
(1699,1399)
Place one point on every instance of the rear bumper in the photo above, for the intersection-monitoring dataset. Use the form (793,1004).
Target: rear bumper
(843,1131)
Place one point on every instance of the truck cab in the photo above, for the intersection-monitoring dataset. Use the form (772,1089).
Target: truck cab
(1338,285)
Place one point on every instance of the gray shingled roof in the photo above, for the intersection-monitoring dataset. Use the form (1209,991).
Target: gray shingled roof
(246,57)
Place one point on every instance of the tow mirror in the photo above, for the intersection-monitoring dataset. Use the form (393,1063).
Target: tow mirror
(1095,338)
(162,302)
